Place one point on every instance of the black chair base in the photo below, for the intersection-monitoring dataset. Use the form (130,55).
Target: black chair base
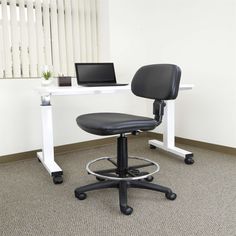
(80,192)
(123,171)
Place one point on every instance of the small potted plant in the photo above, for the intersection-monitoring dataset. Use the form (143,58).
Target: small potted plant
(47,77)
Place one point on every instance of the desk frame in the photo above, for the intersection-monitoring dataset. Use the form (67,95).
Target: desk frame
(46,156)
(168,143)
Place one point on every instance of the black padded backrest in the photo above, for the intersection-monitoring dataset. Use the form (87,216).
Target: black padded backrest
(159,81)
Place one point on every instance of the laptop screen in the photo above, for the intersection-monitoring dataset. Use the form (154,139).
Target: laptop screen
(95,73)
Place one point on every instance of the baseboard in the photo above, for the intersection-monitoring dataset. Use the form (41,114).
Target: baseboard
(18,156)
(110,140)
(199,144)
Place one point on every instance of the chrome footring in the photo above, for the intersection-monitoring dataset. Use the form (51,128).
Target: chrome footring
(118,178)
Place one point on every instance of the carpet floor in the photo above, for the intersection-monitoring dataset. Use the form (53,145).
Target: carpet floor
(30,204)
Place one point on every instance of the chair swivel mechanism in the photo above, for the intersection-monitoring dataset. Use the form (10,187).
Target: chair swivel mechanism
(159,82)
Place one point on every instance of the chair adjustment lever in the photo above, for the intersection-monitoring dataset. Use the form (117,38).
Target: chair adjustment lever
(158,110)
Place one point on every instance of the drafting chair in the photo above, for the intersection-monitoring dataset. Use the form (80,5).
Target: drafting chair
(159,82)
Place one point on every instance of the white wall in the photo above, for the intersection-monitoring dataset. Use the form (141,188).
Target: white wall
(199,36)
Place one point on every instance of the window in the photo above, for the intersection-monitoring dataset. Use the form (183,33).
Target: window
(56,33)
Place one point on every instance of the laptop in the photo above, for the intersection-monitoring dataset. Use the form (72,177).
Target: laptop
(96,74)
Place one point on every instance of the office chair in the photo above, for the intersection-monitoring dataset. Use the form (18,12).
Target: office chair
(159,82)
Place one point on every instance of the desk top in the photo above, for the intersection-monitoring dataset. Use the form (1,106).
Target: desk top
(74,90)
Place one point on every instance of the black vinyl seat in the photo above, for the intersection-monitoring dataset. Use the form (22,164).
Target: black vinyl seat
(114,123)
(159,82)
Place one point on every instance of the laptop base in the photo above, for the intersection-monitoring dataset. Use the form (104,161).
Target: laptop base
(102,84)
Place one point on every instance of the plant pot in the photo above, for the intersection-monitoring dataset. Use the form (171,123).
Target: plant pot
(46,82)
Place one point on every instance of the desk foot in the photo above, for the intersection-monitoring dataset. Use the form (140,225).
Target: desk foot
(189,159)
(57,177)
(152,146)
(53,169)
(185,155)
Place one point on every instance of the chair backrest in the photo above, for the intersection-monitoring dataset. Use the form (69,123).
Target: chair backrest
(158,81)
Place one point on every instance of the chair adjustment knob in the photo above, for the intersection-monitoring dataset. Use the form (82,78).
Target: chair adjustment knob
(136,132)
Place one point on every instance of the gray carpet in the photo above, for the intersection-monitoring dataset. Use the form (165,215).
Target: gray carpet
(30,204)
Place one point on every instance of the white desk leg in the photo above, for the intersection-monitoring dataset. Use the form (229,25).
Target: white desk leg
(168,143)
(46,157)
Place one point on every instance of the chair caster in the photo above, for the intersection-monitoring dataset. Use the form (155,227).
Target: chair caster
(189,160)
(99,179)
(152,146)
(57,179)
(171,196)
(126,210)
(80,196)
(149,178)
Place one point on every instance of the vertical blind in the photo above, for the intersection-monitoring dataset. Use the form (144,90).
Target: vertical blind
(56,33)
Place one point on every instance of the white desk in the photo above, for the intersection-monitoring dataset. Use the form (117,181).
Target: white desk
(46,157)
